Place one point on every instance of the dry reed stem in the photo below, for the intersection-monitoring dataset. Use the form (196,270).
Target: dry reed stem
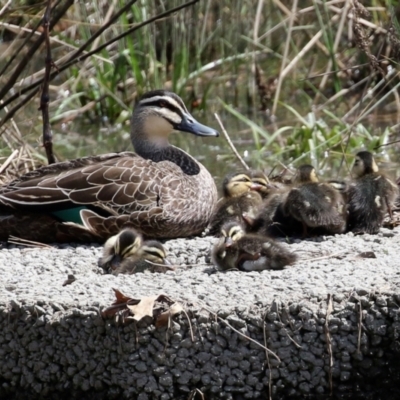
(285,55)
(338,37)
(28,243)
(268,363)
(8,161)
(329,310)
(5,7)
(359,327)
(232,146)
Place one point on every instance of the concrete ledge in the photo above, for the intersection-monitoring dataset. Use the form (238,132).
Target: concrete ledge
(55,344)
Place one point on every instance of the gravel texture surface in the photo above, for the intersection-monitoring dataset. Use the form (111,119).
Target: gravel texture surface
(52,338)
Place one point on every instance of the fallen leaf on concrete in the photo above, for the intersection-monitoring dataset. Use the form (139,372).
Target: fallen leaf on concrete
(126,308)
(143,309)
(163,318)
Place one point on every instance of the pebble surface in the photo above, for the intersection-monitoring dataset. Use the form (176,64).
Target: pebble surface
(354,269)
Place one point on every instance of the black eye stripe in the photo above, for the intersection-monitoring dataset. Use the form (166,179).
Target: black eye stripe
(165,104)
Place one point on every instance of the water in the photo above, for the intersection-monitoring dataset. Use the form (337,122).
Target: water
(79,138)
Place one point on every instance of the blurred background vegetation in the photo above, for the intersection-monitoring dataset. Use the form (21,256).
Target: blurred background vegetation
(293,81)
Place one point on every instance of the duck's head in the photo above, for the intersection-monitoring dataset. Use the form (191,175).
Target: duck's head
(126,243)
(154,252)
(306,173)
(158,113)
(259,178)
(236,184)
(231,232)
(265,187)
(364,164)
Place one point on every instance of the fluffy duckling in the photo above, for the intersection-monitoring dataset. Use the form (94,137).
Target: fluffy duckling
(261,180)
(370,195)
(240,197)
(272,220)
(248,252)
(316,205)
(127,253)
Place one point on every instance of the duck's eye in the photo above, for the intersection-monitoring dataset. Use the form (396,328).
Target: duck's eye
(162,103)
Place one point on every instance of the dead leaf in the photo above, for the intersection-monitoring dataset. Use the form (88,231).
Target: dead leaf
(163,318)
(143,309)
(121,298)
(127,308)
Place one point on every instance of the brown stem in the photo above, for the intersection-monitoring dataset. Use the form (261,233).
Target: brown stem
(94,51)
(29,54)
(45,97)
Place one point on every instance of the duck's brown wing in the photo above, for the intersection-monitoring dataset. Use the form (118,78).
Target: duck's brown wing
(121,182)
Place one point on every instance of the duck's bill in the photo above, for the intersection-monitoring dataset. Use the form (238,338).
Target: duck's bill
(189,124)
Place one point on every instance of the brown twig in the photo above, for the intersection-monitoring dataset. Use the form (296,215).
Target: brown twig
(268,363)
(6,163)
(228,139)
(45,97)
(248,338)
(29,54)
(359,327)
(77,58)
(329,310)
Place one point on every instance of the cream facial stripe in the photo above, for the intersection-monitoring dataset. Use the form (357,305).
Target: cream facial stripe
(167,99)
(170,115)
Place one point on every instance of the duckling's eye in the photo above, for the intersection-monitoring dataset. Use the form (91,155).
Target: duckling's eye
(162,103)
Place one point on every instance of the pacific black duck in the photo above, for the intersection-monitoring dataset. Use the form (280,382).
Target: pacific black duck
(127,253)
(240,197)
(370,195)
(316,205)
(248,252)
(160,190)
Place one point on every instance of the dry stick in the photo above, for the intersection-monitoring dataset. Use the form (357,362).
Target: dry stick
(285,56)
(230,142)
(17,51)
(76,59)
(268,363)
(359,327)
(256,29)
(338,37)
(329,310)
(97,34)
(29,54)
(44,98)
(5,7)
(28,243)
(8,161)
(248,337)
(13,110)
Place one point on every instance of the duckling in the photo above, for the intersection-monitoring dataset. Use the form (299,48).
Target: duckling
(127,253)
(370,195)
(259,178)
(248,252)
(316,205)
(240,197)
(150,257)
(119,247)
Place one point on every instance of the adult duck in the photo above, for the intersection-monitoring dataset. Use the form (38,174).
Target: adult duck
(160,190)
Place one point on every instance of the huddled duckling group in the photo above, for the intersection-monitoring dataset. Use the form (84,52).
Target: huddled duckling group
(248,217)
(253,211)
